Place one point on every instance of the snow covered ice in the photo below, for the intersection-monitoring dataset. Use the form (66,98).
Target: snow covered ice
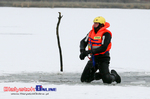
(29,53)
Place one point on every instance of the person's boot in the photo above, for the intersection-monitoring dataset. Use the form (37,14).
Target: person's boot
(97,76)
(117,77)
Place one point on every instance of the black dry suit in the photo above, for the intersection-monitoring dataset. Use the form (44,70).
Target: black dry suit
(101,62)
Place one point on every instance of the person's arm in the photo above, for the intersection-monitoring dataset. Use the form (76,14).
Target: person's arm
(106,39)
(83,43)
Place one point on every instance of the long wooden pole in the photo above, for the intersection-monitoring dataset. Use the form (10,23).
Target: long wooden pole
(57,33)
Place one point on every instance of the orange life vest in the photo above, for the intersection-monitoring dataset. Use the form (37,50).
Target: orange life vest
(95,39)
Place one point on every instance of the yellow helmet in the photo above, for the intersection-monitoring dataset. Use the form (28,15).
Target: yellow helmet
(100,20)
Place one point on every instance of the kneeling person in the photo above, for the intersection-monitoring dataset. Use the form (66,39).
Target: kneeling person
(98,41)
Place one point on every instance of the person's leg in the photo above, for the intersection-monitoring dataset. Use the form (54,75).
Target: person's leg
(104,70)
(88,72)
(97,76)
(108,77)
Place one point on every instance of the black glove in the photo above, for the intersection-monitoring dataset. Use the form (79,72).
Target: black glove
(84,54)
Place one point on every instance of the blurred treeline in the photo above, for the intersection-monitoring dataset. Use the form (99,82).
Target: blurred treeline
(132,4)
(117,1)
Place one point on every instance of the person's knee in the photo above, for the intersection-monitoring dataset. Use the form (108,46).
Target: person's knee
(107,79)
(87,77)
(82,79)
(87,80)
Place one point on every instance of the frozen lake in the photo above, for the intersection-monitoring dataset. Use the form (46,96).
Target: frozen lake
(128,78)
